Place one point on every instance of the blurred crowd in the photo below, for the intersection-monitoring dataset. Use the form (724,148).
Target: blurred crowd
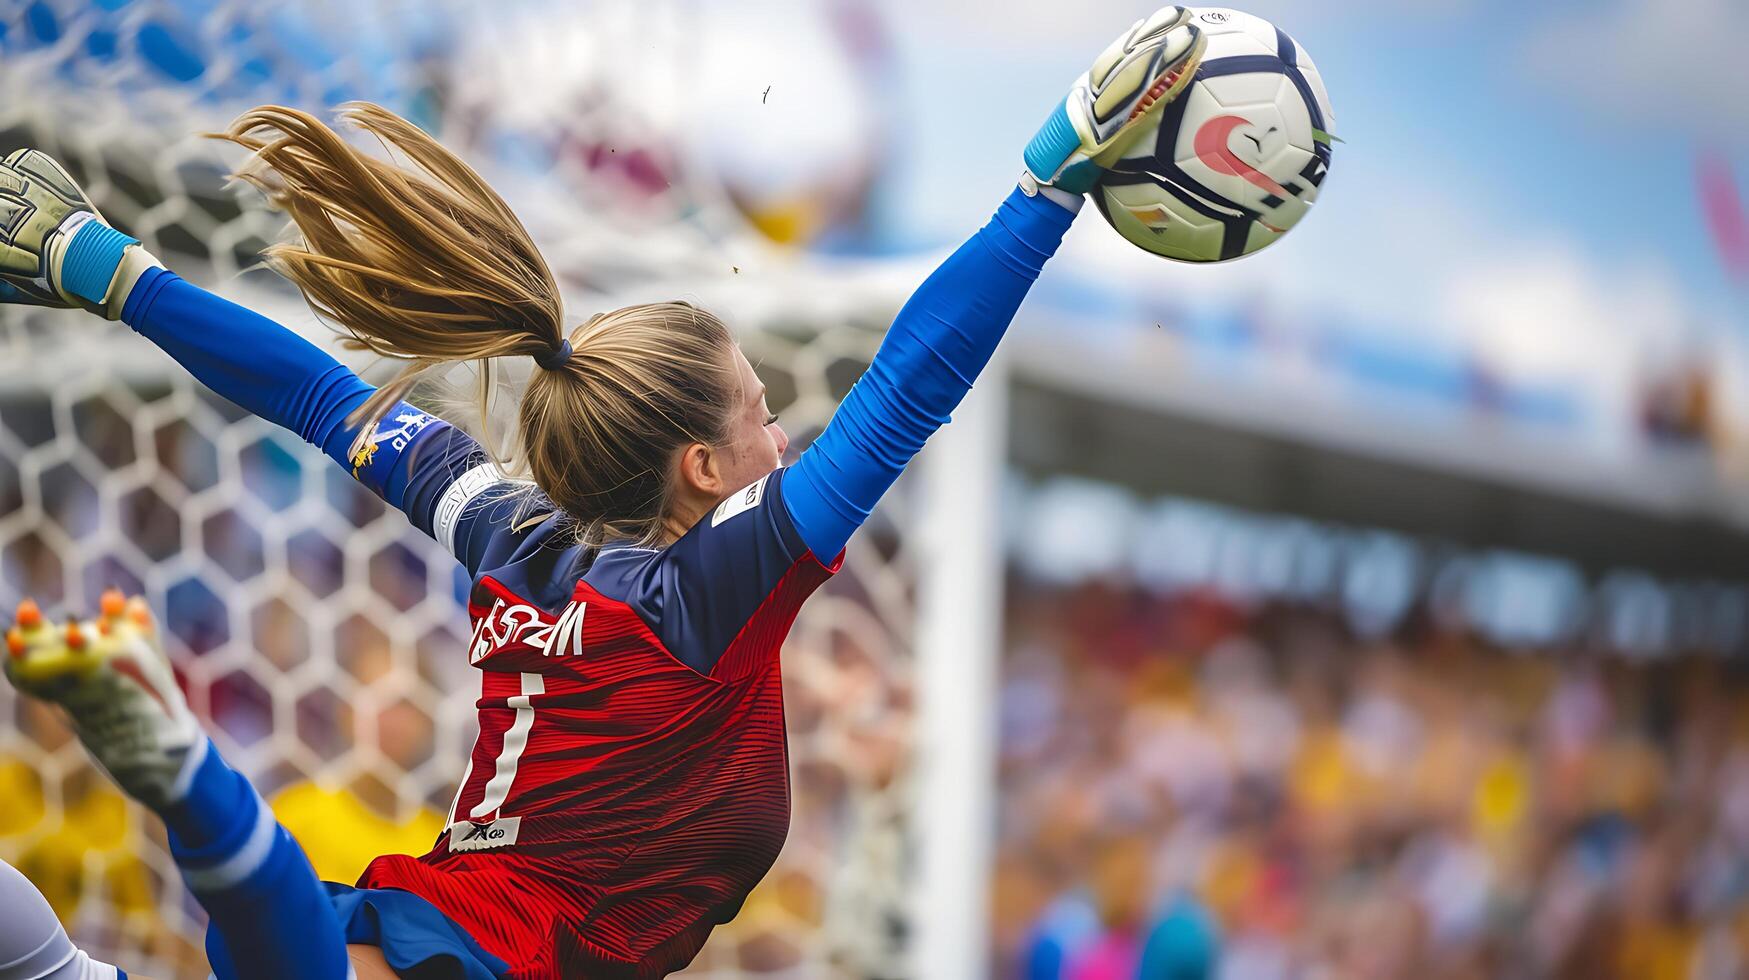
(1194,789)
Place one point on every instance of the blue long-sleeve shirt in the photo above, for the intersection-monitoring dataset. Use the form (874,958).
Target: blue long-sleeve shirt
(696,593)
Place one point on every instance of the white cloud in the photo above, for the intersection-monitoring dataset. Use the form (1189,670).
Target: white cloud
(1661,60)
(1540,312)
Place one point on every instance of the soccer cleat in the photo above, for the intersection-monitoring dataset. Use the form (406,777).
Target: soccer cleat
(55,248)
(1142,71)
(112,678)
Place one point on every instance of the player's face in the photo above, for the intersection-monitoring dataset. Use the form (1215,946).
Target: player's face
(756,442)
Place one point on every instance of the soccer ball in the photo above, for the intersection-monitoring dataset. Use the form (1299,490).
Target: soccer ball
(1237,159)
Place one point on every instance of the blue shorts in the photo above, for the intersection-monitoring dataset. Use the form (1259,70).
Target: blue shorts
(416,937)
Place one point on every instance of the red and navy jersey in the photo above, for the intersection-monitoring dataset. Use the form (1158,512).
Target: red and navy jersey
(629,785)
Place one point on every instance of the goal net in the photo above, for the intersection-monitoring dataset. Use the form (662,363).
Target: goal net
(321,639)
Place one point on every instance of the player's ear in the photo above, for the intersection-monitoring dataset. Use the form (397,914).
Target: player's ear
(701,471)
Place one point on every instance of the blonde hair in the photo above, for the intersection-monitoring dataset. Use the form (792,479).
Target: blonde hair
(427,264)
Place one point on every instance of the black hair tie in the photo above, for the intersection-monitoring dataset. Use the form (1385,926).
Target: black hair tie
(554,359)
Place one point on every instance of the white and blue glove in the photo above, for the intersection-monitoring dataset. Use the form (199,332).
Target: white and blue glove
(1147,67)
(55,248)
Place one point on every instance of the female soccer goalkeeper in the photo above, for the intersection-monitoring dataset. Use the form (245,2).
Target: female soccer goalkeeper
(629,784)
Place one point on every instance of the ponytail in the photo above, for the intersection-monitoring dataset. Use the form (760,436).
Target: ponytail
(427,264)
(423,263)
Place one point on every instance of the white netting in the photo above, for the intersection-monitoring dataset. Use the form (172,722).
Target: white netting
(319,636)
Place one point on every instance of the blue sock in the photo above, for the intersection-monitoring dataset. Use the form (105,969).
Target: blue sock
(271,917)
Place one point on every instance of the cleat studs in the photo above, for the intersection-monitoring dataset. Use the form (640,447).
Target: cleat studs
(29,615)
(139,612)
(75,637)
(15,642)
(112,603)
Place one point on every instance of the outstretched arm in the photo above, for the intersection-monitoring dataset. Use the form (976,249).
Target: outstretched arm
(60,253)
(945,335)
(933,352)
(417,463)
(264,368)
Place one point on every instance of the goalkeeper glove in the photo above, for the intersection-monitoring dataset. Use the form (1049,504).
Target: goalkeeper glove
(55,249)
(1129,84)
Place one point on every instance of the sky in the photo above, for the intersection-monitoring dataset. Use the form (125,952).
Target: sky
(1516,179)
(1570,120)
